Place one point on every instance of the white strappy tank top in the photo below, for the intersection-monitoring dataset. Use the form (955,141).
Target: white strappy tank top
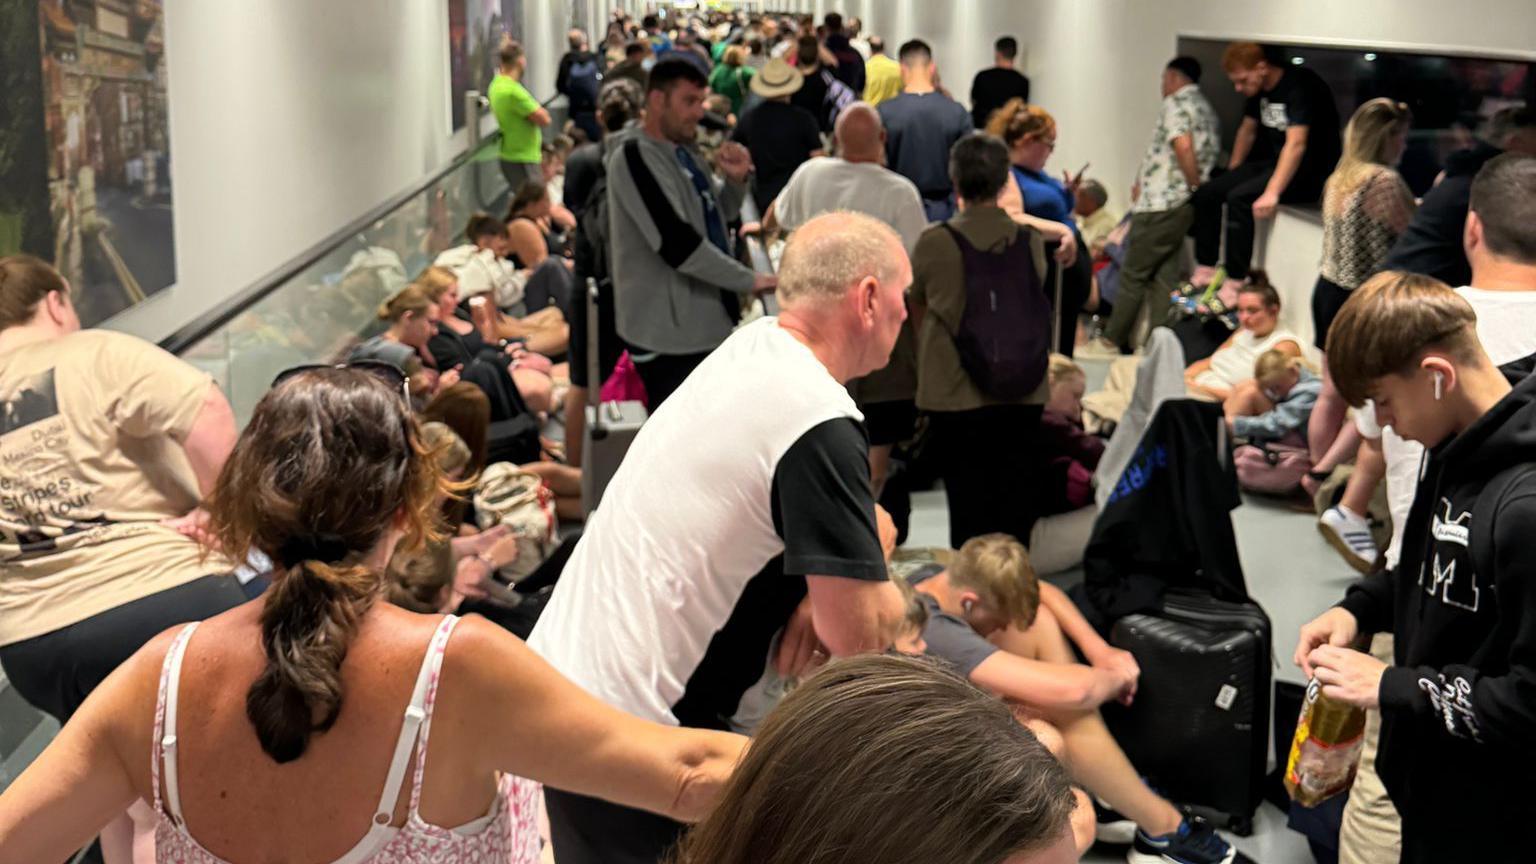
(508,834)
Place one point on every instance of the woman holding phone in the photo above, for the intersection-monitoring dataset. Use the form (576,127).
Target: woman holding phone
(1030,133)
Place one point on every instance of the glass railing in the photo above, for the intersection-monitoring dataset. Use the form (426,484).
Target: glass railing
(325,308)
(316,309)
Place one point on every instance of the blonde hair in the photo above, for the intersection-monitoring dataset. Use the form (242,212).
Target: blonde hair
(915,615)
(821,264)
(735,56)
(997,567)
(1018,120)
(452,453)
(1367,147)
(1061,368)
(415,580)
(435,281)
(1272,364)
(411,298)
(1389,323)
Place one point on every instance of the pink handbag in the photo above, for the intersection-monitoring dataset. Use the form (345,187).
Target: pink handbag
(624,385)
(1275,469)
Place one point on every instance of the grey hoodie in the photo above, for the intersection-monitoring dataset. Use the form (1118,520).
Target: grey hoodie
(668,277)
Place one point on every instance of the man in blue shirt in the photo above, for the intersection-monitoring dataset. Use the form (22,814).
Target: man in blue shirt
(921,125)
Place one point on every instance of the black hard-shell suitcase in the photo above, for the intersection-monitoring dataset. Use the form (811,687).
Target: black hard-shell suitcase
(1198,728)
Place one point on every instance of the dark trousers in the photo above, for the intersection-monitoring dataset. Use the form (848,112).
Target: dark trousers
(553,284)
(57,670)
(1150,271)
(1327,299)
(664,373)
(591,831)
(988,461)
(939,209)
(1238,189)
(586,121)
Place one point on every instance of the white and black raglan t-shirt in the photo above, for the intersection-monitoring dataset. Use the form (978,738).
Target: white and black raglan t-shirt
(752,476)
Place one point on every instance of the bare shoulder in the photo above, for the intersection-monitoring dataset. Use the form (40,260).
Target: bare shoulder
(480,649)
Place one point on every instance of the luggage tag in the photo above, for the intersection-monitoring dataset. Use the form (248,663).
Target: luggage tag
(1226,696)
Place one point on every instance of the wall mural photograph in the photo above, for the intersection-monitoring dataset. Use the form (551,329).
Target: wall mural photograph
(475,31)
(85,179)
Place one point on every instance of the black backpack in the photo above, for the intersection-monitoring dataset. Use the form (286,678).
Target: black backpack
(590,240)
(1004,334)
(583,83)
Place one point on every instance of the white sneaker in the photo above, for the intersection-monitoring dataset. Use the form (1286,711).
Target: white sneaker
(1098,348)
(1350,534)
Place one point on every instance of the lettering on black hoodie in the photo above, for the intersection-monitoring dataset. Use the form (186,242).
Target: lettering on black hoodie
(1458,739)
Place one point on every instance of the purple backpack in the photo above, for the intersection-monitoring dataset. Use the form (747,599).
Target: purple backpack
(1004,335)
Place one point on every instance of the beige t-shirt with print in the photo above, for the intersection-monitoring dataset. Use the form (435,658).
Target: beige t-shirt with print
(91,461)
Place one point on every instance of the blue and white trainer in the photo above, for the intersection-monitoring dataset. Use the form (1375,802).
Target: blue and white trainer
(1194,843)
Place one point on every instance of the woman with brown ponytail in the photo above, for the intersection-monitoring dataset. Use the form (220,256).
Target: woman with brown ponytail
(268,733)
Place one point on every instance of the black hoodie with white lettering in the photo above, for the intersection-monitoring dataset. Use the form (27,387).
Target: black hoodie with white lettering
(1458,737)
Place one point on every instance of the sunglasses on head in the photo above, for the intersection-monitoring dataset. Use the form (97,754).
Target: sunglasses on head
(389,373)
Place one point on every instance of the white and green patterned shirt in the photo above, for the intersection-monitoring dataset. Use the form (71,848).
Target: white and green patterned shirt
(1186,112)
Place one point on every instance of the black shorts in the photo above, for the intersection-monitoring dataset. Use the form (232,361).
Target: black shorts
(1327,300)
(889,422)
(57,670)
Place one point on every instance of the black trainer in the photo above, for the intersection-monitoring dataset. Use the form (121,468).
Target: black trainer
(1194,843)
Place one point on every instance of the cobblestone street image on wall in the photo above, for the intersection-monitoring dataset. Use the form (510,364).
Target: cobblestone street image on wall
(84,147)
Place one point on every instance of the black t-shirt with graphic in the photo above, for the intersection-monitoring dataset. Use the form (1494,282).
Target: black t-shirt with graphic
(1301,98)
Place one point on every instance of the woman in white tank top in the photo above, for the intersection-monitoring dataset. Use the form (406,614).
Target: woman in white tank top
(1258,316)
(297,727)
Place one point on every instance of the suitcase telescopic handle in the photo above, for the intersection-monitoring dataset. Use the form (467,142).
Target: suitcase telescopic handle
(594,372)
(1056,311)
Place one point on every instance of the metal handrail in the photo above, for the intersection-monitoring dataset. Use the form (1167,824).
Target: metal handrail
(757,251)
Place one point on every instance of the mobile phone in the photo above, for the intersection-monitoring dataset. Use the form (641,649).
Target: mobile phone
(478,300)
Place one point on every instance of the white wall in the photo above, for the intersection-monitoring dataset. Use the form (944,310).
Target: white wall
(289,118)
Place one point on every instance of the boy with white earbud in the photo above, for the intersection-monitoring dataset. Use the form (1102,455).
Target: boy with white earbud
(1458,705)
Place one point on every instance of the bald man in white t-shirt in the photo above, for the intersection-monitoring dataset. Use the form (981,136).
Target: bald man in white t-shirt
(857,180)
(743,508)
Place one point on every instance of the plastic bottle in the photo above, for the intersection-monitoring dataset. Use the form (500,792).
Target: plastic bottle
(1326,750)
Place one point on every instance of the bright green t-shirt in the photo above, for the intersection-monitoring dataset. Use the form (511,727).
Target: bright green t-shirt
(512,103)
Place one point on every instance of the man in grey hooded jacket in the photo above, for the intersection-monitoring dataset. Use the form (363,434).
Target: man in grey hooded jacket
(677,288)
